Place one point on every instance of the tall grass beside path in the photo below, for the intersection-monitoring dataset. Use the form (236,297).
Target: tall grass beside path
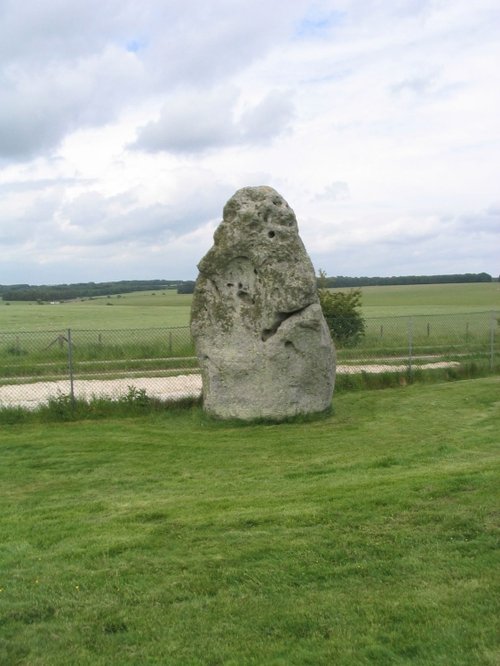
(367,537)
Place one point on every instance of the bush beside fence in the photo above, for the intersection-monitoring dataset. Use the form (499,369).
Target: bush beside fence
(38,365)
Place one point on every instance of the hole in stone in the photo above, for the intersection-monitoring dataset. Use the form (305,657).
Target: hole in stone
(229,284)
(240,285)
(271,234)
(288,343)
(255,271)
(245,296)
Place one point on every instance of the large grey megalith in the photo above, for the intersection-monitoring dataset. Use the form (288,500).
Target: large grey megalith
(263,345)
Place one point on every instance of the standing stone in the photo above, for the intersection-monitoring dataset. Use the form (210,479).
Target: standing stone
(263,345)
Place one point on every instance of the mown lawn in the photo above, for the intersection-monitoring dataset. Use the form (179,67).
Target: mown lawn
(367,537)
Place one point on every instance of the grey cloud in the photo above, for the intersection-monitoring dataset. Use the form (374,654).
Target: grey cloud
(336,191)
(191,122)
(36,113)
(196,122)
(486,221)
(45,31)
(67,65)
(31,221)
(268,118)
(424,256)
(93,219)
(426,86)
(450,244)
(418,85)
(40,184)
(209,41)
(94,237)
(63,66)
(28,126)
(46,220)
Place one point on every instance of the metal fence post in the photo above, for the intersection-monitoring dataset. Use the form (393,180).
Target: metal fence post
(70,367)
(410,344)
(492,340)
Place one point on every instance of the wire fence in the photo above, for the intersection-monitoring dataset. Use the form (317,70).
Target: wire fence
(36,366)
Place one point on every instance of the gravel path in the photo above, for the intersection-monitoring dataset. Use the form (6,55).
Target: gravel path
(377,369)
(164,388)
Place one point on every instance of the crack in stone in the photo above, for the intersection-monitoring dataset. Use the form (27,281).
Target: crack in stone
(279,318)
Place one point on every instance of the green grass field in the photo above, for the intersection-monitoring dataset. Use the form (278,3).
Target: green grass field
(367,537)
(169,309)
(430,299)
(137,310)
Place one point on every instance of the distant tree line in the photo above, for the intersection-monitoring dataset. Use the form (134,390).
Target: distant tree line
(343,281)
(186,287)
(64,292)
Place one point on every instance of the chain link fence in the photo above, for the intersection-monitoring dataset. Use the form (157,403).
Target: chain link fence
(423,342)
(38,365)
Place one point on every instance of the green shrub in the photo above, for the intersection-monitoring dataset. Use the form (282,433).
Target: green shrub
(342,312)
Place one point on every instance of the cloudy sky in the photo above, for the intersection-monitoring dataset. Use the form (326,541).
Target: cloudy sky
(125,125)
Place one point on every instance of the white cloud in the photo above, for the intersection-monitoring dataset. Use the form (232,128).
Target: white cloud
(125,126)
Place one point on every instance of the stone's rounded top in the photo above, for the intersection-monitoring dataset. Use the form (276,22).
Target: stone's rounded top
(259,225)
(257,191)
(251,205)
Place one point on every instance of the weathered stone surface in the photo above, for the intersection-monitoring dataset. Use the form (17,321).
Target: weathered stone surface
(263,345)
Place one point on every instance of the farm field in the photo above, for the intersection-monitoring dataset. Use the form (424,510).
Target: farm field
(367,537)
(137,310)
(436,299)
(169,309)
